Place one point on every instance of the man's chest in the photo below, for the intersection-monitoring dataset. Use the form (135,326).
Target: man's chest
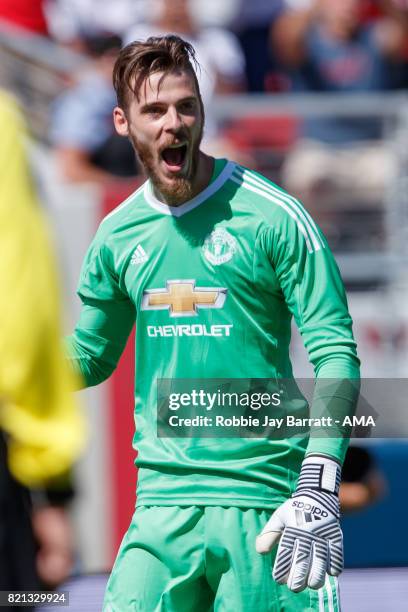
(188,271)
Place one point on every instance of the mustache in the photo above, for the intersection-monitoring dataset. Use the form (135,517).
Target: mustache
(180,136)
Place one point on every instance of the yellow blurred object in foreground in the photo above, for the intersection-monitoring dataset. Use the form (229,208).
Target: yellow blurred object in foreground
(37,408)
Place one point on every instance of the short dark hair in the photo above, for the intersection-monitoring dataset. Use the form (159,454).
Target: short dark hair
(140,59)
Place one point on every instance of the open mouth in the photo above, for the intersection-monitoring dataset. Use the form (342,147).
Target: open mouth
(174,157)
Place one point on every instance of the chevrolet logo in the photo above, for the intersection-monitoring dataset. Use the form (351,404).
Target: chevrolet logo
(182,298)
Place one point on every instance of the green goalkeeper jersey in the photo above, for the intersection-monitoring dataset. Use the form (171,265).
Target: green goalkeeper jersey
(212,286)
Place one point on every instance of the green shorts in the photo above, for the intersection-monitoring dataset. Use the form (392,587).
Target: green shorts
(201,559)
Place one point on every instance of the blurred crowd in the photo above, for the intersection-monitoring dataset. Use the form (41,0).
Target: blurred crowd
(258,46)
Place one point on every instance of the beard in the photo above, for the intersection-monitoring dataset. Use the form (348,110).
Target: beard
(180,188)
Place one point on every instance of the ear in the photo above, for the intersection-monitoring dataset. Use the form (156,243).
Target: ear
(120,122)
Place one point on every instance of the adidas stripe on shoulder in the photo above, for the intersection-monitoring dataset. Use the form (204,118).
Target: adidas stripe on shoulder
(252,182)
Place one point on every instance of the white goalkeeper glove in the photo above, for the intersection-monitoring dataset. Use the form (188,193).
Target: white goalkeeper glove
(307,525)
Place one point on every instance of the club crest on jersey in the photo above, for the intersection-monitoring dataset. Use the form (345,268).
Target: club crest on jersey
(219,246)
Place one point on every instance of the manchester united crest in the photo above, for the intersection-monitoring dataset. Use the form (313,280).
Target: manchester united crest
(219,246)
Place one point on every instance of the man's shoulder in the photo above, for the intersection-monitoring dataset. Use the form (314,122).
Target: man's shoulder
(265,197)
(279,212)
(125,211)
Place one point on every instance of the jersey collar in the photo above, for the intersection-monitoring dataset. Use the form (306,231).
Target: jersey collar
(178,211)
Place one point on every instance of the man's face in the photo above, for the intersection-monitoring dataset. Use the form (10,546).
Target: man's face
(165,126)
(344,14)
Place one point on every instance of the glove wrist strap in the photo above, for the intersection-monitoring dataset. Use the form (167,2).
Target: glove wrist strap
(320,473)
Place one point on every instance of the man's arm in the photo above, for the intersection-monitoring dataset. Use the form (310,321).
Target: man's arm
(106,319)
(76,166)
(313,290)
(307,525)
(99,339)
(391,36)
(288,34)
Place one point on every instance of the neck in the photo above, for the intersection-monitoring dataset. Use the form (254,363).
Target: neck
(198,183)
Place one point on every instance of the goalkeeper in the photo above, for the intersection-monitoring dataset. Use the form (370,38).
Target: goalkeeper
(211,261)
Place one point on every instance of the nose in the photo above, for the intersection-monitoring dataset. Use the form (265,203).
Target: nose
(173,122)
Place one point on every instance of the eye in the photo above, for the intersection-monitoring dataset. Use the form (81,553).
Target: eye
(154,111)
(188,106)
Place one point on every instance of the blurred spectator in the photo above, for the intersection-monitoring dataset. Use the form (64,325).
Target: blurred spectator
(215,13)
(41,429)
(362,482)
(86,145)
(27,14)
(71,22)
(252,24)
(326,48)
(368,10)
(218,51)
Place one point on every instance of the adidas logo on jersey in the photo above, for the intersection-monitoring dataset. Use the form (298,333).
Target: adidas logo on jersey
(139,256)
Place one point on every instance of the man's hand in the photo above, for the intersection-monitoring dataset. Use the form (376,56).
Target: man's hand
(307,525)
(53,532)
